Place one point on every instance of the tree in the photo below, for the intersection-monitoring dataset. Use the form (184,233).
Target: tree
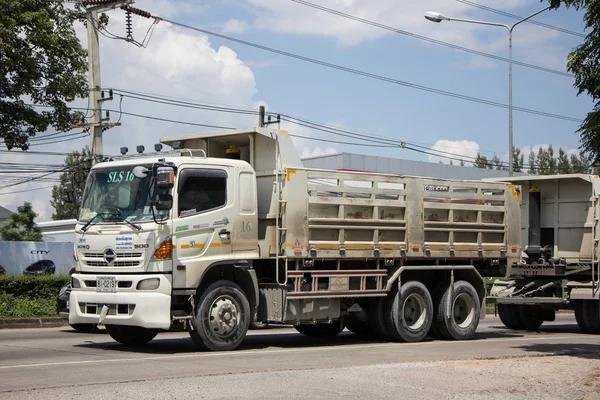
(481,161)
(518,160)
(78,166)
(21,227)
(580,164)
(532,164)
(496,163)
(564,167)
(584,63)
(40,59)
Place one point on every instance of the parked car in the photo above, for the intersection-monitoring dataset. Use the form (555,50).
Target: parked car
(41,267)
(62,309)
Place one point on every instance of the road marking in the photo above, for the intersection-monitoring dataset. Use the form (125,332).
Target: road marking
(277,351)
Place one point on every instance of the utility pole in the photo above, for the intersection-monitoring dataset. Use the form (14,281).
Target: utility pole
(93,7)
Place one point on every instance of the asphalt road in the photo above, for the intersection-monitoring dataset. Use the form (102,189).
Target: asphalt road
(60,363)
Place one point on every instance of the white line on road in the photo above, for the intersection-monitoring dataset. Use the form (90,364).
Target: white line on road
(277,351)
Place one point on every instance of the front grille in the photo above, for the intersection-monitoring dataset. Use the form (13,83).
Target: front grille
(114,264)
(122,259)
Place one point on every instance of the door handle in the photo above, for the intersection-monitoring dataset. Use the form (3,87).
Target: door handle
(224,232)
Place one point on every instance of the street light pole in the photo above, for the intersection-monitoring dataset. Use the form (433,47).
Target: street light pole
(437,17)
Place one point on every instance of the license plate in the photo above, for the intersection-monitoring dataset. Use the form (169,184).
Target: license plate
(106,284)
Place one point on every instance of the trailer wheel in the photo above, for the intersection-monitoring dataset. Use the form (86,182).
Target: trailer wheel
(325,331)
(464,315)
(409,312)
(222,317)
(581,316)
(592,308)
(131,335)
(532,317)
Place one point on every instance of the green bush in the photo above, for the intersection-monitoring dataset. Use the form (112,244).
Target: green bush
(23,307)
(33,287)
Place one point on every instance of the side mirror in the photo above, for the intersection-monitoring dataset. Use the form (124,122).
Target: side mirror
(165,177)
(165,202)
(140,172)
(69,193)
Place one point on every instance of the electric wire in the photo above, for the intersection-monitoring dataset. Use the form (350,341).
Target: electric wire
(428,39)
(375,76)
(534,22)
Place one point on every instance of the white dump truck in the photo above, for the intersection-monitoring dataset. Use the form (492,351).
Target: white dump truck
(559,267)
(229,228)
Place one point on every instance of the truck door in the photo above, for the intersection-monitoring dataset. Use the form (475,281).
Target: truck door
(201,229)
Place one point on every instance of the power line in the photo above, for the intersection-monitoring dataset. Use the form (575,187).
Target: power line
(428,39)
(376,76)
(27,190)
(556,28)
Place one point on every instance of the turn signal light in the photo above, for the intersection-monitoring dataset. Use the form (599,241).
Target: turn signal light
(163,252)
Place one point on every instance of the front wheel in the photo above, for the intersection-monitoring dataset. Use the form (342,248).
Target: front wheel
(132,335)
(222,317)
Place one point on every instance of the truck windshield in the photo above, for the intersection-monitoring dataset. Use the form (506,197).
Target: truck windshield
(114,193)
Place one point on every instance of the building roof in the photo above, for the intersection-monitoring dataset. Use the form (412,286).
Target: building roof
(4,213)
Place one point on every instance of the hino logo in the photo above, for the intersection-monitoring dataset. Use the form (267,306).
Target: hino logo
(109,256)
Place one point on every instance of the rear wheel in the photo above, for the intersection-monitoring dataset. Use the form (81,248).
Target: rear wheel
(326,331)
(222,317)
(132,335)
(510,316)
(376,318)
(464,307)
(360,328)
(409,312)
(581,316)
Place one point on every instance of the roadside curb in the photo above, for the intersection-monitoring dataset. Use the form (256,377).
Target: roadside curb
(16,323)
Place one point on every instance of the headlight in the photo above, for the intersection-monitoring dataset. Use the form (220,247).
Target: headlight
(75,283)
(148,284)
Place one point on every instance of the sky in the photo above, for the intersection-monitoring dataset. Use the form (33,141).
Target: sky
(187,65)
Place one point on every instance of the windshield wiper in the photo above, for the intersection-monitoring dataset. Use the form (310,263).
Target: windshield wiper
(118,218)
(87,224)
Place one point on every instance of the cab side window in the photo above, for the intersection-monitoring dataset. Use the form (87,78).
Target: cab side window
(201,190)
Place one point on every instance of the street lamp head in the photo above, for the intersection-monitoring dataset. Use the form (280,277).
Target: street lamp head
(435,16)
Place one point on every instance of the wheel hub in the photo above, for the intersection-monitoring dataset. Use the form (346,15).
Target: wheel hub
(414,311)
(463,310)
(223,315)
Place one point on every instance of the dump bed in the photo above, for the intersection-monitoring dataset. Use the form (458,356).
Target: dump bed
(567,218)
(333,214)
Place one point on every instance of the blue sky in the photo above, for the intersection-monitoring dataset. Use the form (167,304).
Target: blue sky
(184,64)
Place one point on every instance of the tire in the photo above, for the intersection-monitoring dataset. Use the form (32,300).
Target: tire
(323,331)
(592,308)
(531,316)
(506,315)
(409,312)
(581,316)
(376,318)
(464,318)
(131,335)
(84,328)
(222,317)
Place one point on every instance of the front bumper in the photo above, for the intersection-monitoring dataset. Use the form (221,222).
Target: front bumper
(126,306)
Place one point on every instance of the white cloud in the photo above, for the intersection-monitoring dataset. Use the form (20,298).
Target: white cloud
(235,26)
(458,149)
(295,18)
(177,63)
